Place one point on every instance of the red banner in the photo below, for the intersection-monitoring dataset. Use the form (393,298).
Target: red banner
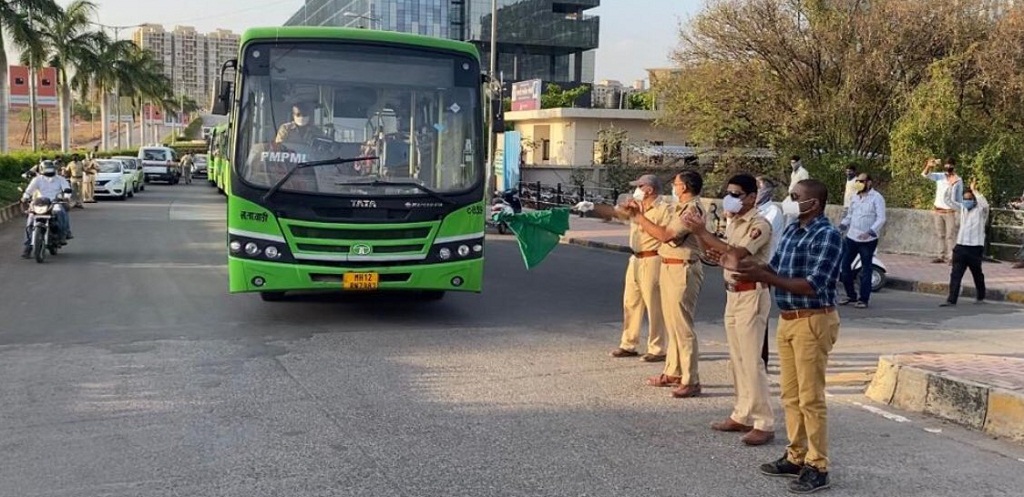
(46,87)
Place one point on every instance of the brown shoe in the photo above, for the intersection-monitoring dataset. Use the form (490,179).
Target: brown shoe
(1018,265)
(686,391)
(663,380)
(758,437)
(730,425)
(938,260)
(653,358)
(620,352)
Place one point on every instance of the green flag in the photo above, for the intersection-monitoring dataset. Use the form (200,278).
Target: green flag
(538,232)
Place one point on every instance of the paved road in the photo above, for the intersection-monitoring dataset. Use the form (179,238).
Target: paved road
(128,371)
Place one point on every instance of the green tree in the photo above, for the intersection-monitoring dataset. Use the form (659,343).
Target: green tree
(101,72)
(16,26)
(68,43)
(555,97)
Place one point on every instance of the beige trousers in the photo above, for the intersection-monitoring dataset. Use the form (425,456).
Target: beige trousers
(804,345)
(947,224)
(746,318)
(680,286)
(641,296)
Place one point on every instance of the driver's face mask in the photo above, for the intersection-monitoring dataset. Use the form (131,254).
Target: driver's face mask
(299,118)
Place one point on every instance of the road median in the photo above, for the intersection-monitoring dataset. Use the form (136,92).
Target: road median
(981,392)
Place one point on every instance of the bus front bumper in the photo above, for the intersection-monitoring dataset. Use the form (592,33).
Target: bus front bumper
(248,275)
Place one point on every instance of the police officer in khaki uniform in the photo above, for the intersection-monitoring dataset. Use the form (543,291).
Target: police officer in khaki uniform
(300,129)
(89,181)
(748,236)
(680,279)
(641,292)
(76,174)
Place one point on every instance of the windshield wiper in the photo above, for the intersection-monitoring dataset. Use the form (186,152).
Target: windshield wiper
(303,165)
(379,182)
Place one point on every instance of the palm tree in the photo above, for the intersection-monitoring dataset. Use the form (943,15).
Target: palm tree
(68,42)
(102,71)
(145,81)
(16,24)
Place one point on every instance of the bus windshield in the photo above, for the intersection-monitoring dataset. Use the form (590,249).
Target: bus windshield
(415,115)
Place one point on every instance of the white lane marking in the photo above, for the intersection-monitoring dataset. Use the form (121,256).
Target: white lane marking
(883,413)
(933,430)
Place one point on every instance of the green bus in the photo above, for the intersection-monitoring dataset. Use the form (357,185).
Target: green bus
(219,151)
(355,163)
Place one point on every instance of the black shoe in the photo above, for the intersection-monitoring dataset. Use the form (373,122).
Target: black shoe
(811,480)
(947,304)
(69,237)
(27,253)
(782,467)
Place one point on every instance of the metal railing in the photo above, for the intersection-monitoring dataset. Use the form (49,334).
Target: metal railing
(537,195)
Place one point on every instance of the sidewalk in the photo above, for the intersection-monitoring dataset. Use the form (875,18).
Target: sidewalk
(905,272)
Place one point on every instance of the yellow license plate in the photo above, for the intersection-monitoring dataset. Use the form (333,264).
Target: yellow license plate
(360,281)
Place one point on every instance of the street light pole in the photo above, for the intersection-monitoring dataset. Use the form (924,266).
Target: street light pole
(117,84)
(492,138)
(368,18)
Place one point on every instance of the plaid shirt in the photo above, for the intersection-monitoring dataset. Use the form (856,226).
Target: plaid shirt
(814,253)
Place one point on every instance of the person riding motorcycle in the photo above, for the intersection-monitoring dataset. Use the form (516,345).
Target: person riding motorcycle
(51,186)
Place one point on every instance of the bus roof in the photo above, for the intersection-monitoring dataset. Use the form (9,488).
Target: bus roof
(285,33)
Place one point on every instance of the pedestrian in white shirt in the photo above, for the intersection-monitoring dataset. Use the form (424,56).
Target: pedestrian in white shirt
(773,213)
(798,174)
(949,188)
(970,244)
(851,187)
(862,224)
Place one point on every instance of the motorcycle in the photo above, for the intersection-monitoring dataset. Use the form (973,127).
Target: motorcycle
(44,236)
(504,202)
(878,271)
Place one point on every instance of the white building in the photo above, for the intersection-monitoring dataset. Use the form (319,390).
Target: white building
(192,60)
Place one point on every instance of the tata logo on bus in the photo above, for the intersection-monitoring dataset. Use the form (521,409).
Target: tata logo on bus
(364,204)
(361,249)
(282,157)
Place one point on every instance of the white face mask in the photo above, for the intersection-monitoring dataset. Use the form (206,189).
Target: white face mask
(638,194)
(302,120)
(732,204)
(792,208)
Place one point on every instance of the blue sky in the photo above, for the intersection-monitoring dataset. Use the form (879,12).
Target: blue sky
(635,34)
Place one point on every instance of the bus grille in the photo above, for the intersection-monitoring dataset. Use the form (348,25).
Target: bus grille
(359,234)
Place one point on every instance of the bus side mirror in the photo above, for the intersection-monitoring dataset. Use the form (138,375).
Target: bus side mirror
(223,100)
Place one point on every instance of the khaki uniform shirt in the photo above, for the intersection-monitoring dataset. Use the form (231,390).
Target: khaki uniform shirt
(75,170)
(90,168)
(640,240)
(684,246)
(291,132)
(753,232)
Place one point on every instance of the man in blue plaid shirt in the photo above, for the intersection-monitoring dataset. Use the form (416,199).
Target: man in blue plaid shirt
(803,271)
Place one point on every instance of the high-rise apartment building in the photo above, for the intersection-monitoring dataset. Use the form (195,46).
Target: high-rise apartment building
(192,60)
(537,39)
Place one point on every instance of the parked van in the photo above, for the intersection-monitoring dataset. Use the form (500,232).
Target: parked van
(160,164)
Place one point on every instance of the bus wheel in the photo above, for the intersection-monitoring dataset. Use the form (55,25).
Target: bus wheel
(272,296)
(433,295)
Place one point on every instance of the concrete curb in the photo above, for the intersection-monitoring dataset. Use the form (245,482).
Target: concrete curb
(10,212)
(993,294)
(987,408)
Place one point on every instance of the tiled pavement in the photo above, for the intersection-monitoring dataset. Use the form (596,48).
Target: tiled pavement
(904,272)
(998,371)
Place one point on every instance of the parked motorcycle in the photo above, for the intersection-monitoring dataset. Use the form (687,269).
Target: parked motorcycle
(878,271)
(44,236)
(508,202)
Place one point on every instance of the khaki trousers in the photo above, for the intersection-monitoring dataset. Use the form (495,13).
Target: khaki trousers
(639,296)
(804,345)
(947,224)
(746,316)
(77,193)
(680,286)
(89,188)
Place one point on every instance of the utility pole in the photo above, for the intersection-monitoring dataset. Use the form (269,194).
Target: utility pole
(117,84)
(492,138)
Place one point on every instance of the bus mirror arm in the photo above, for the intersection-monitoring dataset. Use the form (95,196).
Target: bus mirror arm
(302,165)
(225,92)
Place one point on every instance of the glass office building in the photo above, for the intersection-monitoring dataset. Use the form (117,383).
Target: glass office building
(553,40)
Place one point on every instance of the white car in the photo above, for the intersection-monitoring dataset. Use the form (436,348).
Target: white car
(135,166)
(112,180)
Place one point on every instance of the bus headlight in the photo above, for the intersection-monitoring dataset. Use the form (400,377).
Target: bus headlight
(252,248)
(463,250)
(444,253)
(478,248)
(272,252)
(235,246)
